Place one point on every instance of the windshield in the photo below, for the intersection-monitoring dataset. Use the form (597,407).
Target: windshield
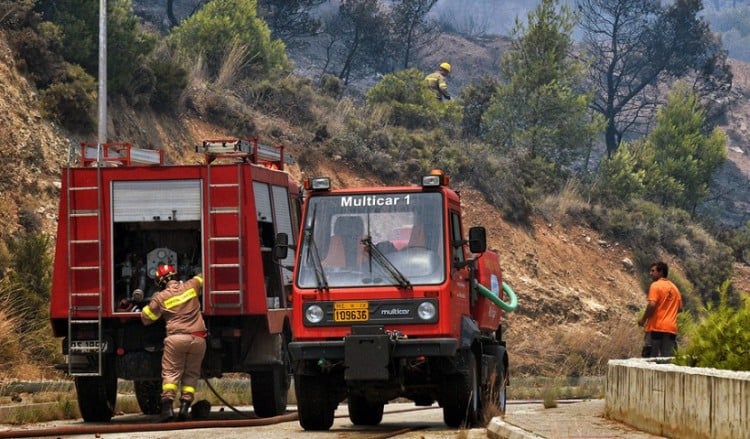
(406,229)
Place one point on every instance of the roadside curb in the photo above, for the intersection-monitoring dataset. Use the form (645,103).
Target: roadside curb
(499,429)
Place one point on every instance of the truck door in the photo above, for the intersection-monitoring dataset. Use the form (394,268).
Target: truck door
(274,215)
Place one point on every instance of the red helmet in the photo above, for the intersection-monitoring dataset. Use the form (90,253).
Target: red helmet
(164,273)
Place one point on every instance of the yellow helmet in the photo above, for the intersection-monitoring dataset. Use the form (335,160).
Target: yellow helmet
(445,66)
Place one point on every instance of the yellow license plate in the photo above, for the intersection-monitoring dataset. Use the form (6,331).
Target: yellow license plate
(351,312)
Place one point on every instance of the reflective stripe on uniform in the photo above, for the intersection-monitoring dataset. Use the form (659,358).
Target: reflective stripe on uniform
(169,386)
(188,389)
(200,279)
(179,300)
(150,314)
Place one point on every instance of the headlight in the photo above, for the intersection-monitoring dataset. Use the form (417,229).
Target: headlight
(426,310)
(314,314)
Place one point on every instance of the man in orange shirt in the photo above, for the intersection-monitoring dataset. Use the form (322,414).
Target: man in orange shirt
(660,318)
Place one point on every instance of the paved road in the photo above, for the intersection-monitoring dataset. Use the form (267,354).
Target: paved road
(570,419)
(523,420)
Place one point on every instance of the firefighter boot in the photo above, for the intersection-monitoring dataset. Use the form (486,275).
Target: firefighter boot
(184,409)
(167,413)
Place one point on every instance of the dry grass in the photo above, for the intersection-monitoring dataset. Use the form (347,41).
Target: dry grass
(560,205)
(576,350)
(235,60)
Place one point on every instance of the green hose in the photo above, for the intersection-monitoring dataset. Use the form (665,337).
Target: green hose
(509,307)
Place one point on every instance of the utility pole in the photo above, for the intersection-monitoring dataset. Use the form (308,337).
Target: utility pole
(102,128)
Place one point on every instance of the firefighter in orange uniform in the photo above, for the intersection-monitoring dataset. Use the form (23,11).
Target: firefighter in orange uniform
(185,345)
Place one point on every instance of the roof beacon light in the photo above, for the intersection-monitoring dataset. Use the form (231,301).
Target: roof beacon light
(318,184)
(435,179)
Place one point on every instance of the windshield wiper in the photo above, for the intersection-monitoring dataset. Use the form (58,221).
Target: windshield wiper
(376,254)
(314,255)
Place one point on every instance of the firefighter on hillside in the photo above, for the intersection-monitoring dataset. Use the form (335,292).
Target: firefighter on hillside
(185,345)
(436,81)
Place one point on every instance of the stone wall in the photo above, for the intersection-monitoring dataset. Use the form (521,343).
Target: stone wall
(678,402)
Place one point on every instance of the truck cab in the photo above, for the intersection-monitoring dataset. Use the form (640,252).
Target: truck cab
(383,303)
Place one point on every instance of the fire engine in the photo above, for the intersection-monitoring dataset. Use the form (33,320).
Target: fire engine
(389,300)
(123,212)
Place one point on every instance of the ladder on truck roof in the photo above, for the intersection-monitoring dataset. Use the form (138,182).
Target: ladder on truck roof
(85,297)
(248,150)
(224,253)
(118,154)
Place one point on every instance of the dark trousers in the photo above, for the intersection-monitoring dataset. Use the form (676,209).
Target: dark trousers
(659,344)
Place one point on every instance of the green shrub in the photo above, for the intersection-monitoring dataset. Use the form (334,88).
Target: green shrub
(617,181)
(475,99)
(408,102)
(331,86)
(721,339)
(37,53)
(170,79)
(223,24)
(291,98)
(71,103)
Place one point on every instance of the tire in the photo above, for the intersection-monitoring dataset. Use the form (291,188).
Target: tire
(97,395)
(315,402)
(461,401)
(364,412)
(270,390)
(495,390)
(148,394)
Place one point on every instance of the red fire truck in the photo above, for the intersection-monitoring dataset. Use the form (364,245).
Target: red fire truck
(122,212)
(390,300)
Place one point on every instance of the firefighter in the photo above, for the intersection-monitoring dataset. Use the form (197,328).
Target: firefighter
(185,345)
(436,81)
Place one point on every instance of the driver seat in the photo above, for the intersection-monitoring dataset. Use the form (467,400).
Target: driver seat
(345,249)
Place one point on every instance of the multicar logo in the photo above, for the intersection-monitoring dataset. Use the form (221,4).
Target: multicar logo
(395,312)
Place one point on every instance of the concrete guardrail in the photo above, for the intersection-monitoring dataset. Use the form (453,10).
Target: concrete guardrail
(678,402)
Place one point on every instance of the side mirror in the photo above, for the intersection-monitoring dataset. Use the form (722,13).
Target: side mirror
(477,239)
(281,248)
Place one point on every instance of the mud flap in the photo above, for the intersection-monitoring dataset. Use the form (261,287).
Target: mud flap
(367,354)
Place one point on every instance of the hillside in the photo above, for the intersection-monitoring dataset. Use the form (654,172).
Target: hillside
(577,297)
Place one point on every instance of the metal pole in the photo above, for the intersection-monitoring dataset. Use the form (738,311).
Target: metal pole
(102,131)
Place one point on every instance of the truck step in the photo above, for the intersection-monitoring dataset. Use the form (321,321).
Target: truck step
(80,295)
(224,238)
(224,210)
(224,265)
(83,188)
(84,322)
(83,213)
(84,267)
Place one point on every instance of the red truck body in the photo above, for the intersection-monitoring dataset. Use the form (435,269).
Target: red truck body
(122,212)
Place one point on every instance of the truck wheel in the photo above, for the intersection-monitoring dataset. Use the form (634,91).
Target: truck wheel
(97,395)
(269,391)
(495,390)
(499,394)
(148,394)
(461,401)
(364,412)
(315,402)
